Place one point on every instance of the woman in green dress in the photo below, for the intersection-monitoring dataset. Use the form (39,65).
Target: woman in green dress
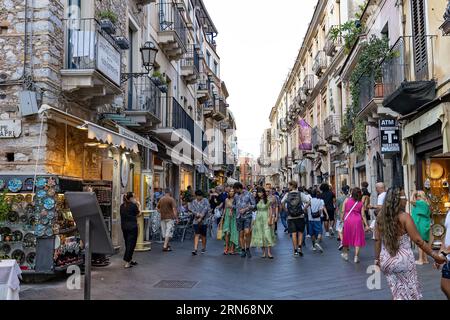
(263,235)
(229,228)
(421,215)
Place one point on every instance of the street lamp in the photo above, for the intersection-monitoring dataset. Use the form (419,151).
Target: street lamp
(148,56)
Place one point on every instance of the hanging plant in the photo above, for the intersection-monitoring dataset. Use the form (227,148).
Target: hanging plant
(5,207)
(359,137)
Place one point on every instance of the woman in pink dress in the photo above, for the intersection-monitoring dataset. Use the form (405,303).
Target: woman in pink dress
(353,233)
(393,234)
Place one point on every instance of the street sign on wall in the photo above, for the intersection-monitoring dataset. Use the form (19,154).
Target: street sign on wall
(390,136)
(108,60)
(10,128)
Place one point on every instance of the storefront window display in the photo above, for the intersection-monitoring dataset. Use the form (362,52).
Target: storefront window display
(187,179)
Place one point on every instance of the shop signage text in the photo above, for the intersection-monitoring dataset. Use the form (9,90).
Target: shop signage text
(10,128)
(139,139)
(390,136)
(108,60)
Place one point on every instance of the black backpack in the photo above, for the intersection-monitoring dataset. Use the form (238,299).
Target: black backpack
(295,205)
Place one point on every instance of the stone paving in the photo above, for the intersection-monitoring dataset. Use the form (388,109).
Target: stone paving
(215,276)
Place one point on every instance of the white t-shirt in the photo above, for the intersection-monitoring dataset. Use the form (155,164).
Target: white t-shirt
(380,199)
(316,205)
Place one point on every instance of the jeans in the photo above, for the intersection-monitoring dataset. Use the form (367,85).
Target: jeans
(130,235)
(283,218)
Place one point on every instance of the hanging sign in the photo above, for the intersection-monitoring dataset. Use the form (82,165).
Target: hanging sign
(304,135)
(390,136)
(10,128)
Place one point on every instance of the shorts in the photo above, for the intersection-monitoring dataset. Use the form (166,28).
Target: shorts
(200,229)
(243,223)
(330,216)
(446,271)
(296,225)
(167,228)
(315,228)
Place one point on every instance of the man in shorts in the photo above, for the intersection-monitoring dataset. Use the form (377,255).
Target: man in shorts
(244,204)
(315,223)
(200,208)
(293,204)
(168,210)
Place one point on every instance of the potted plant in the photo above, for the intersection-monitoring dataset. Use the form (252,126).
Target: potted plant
(157,78)
(108,19)
(4,206)
(163,88)
(123,43)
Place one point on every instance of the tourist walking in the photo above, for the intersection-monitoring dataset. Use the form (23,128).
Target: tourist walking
(283,213)
(329,199)
(366,200)
(129,211)
(275,204)
(381,195)
(229,228)
(354,223)
(244,204)
(395,229)
(421,215)
(293,204)
(200,208)
(445,250)
(167,208)
(315,220)
(263,234)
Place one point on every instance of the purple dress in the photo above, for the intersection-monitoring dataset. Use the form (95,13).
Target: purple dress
(354,235)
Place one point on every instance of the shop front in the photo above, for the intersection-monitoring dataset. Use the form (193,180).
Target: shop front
(426,157)
(75,155)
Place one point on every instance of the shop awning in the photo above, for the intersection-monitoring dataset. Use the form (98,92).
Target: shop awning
(439,113)
(201,168)
(95,131)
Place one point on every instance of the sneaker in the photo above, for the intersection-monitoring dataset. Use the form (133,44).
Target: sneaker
(327,234)
(319,247)
(313,248)
(194,252)
(331,232)
(128,265)
(340,247)
(133,263)
(203,251)
(300,252)
(296,254)
(344,256)
(356,260)
(249,254)
(243,254)
(308,236)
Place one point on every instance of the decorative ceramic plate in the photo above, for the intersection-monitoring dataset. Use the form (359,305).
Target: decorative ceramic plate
(45,220)
(436,171)
(51,215)
(13,216)
(438,230)
(31,257)
(5,231)
(57,242)
(51,182)
(41,182)
(19,256)
(5,249)
(24,219)
(28,184)
(41,193)
(2,184)
(49,231)
(15,185)
(51,192)
(29,240)
(32,221)
(44,213)
(17,235)
(49,203)
(40,230)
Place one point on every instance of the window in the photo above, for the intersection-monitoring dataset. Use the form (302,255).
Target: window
(419,39)
(216,68)
(208,58)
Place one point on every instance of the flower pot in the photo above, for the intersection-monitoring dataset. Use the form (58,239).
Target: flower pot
(107,26)
(379,90)
(157,81)
(163,88)
(123,43)
(445,27)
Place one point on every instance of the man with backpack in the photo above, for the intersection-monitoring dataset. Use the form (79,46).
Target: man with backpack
(293,204)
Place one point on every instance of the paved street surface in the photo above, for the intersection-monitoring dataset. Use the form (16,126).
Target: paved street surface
(215,276)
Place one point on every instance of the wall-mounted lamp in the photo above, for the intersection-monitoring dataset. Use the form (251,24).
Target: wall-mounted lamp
(148,55)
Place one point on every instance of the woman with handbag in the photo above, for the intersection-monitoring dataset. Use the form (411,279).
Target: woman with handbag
(353,233)
(263,235)
(230,234)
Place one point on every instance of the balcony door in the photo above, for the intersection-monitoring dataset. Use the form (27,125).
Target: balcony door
(419,38)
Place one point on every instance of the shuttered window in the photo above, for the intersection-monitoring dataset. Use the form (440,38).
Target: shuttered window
(419,39)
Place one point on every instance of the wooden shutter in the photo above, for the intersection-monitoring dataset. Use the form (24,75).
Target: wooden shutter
(419,39)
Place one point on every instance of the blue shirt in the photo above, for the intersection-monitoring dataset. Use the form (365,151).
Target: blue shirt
(246,201)
(200,209)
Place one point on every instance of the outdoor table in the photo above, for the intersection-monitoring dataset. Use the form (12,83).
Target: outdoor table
(10,275)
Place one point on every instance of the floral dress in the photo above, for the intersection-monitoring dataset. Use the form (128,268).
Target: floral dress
(263,235)
(229,224)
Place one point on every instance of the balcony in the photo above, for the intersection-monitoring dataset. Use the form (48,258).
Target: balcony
(308,84)
(371,101)
(190,66)
(318,141)
(332,129)
(297,154)
(92,62)
(203,92)
(301,98)
(220,110)
(408,74)
(172,34)
(320,63)
(332,45)
(178,118)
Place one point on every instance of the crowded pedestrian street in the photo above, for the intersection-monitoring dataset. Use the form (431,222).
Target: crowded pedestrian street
(214,276)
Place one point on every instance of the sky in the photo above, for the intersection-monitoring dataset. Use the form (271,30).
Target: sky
(258,43)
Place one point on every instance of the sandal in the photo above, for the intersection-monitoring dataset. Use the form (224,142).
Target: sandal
(168,249)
